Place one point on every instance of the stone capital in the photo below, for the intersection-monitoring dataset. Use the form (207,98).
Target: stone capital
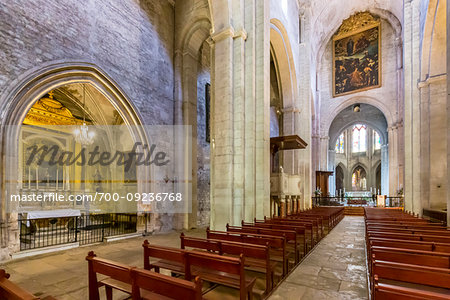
(223,34)
(291,109)
(241,33)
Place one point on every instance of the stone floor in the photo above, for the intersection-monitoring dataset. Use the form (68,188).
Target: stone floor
(335,269)
(64,274)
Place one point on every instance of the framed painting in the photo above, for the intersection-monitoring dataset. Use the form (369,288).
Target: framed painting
(357,60)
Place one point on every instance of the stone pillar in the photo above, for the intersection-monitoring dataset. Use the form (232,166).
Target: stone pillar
(448,117)
(384,169)
(288,204)
(434,147)
(331,165)
(189,107)
(222,189)
(283,206)
(411,73)
(240,157)
(394,183)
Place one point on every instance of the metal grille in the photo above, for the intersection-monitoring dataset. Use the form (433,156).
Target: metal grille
(86,229)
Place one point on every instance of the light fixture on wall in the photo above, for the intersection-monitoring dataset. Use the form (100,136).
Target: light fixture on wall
(356,108)
(82,134)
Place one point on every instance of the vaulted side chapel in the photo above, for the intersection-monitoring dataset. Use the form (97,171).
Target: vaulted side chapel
(224,149)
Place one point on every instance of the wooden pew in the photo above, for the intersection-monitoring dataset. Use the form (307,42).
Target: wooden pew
(152,285)
(257,258)
(416,237)
(299,229)
(277,244)
(420,279)
(227,271)
(290,235)
(408,244)
(131,280)
(331,215)
(314,229)
(409,257)
(118,276)
(11,291)
(395,292)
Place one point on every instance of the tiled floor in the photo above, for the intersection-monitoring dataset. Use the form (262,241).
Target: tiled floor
(335,269)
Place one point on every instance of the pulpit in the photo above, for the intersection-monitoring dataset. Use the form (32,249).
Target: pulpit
(285,191)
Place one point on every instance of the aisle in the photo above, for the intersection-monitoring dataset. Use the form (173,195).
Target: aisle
(335,269)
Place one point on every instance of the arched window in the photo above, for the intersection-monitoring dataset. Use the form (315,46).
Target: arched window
(376,141)
(340,144)
(359,134)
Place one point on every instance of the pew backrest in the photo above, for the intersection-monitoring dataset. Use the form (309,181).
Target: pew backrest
(171,287)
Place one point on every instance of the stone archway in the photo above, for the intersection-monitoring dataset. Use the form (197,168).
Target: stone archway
(17,104)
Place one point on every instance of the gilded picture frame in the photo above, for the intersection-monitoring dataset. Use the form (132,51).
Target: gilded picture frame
(357,60)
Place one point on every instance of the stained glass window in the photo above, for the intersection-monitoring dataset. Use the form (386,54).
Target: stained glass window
(359,135)
(376,141)
(340,144)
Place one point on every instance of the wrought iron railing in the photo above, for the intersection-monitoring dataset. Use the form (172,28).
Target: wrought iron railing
(85,229)
(356,201)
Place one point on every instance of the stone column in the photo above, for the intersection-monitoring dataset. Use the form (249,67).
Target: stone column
(288,204)
(411,73)
(240,157)
(394,183)
(384,169)
(283,206)
(222,190)
(331,165)
(448,117)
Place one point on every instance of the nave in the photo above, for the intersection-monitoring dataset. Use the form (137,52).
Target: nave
(210,263)
(335,269)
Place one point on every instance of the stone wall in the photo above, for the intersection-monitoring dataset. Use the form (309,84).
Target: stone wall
(425,105)
(131,42)
(203,146)
(386,98)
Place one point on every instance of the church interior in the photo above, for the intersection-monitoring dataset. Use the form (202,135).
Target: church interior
(224,149)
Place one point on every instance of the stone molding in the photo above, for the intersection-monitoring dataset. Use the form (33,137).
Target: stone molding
(431,80)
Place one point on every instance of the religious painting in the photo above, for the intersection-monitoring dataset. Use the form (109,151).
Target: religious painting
(356,60)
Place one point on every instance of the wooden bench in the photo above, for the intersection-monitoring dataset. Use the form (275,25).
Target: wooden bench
(315,230)
(420,280)
(153,286)
(11,291)
(409,257)
(404,236)
(299,229)
(408,244)
(257,258)
(395,292)
(131,280)
(227,271)
(118,276)
(277,244)
(290,235)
